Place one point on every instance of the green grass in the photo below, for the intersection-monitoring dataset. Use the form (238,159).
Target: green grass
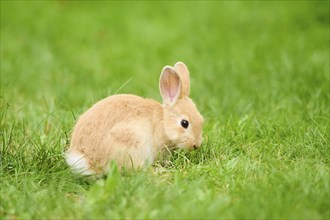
(260,76)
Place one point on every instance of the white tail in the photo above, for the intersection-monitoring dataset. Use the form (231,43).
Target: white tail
(78,163)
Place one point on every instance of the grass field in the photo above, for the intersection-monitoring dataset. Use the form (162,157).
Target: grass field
(260,76)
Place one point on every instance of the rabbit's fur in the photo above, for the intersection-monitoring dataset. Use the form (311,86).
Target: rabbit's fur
(133,130)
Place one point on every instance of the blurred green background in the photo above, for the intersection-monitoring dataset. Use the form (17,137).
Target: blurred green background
(239,53)
(260,76)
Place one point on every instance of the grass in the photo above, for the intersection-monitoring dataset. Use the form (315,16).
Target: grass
(260,76)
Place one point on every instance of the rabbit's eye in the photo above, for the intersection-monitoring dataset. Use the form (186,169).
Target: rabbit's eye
(185,123)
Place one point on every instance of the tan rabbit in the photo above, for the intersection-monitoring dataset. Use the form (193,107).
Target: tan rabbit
(134,131)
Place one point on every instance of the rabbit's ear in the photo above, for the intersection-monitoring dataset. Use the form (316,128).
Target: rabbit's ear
(183,71)
(170,85)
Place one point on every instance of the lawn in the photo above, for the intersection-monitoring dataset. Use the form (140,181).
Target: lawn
(259,75)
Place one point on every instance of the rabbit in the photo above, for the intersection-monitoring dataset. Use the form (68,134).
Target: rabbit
(134,131)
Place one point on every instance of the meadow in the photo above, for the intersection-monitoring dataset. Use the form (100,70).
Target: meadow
(259,75)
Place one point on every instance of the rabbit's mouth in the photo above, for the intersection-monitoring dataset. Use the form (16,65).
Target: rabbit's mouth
(186,147)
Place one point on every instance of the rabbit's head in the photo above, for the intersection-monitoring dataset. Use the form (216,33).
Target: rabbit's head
(182,121)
